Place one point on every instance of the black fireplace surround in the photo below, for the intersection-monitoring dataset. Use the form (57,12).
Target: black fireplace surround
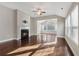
(24,36)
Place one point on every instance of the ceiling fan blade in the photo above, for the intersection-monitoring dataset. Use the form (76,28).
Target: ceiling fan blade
(43,12)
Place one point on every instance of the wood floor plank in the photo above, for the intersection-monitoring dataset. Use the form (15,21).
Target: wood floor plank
(41,49)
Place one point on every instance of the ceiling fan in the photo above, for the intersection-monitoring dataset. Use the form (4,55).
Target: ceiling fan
(39,11)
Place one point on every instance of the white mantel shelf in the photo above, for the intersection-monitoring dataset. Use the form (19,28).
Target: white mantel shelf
(24,28)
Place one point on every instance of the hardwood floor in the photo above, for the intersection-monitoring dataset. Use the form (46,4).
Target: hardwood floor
(8,46)
(41,49)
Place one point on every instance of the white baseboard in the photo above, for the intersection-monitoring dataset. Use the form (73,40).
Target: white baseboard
(18,38)
(61,36)
(8,40)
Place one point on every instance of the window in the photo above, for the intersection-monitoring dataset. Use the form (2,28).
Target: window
(66,31)
(74,25)
(71,25)
(67,26)
(49,25)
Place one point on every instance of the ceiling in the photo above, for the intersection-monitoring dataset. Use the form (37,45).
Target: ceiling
(51,8)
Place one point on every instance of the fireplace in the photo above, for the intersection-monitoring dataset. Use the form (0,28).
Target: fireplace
(24,36)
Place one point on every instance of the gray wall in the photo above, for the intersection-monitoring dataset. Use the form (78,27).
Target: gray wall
(7,23)
(11,23)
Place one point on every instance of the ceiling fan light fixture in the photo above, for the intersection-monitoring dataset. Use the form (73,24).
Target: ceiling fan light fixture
(39,11)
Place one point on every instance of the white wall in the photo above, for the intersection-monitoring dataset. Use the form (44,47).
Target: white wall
(7,23)
(60,27)
(20,17)
(33,27)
